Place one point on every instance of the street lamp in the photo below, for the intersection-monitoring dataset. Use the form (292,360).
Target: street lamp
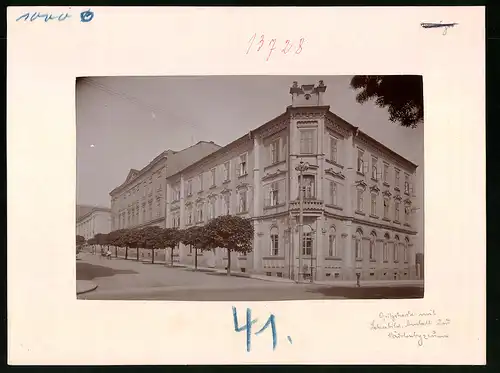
(301,168)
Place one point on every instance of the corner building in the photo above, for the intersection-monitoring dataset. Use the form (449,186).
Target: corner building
(358,197)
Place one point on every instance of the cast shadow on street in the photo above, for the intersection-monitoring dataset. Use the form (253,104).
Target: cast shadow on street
(370,292)
(87,271)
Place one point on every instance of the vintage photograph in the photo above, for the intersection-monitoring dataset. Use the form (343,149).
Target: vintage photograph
(249,188)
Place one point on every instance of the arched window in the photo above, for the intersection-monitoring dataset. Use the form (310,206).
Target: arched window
(307,240)
(373,238)
(357,244)
(396,249)
(332,242)
(407,243)
(385,253)
(274,242)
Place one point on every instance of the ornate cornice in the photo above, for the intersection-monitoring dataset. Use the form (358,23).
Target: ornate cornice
(334,126)
(242,186)
(275,127)
(387,194)
(397,197)
(361,184)
(407,201)
(225,191)
(332,172)
(278,172)
(374,189)
(385,152)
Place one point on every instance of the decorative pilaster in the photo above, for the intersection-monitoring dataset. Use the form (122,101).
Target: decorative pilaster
(168,199)
(350,172)
(348,254)
(257,204)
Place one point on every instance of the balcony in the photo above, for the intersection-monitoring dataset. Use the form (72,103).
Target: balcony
(309,206)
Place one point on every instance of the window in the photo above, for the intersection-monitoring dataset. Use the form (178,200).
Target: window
(242,201)
(333,193)
(360,161)
(396,211)
(309,186)
(359,205)
(226,201)
(374,168)
(307,243)
(200,181)
(274,242)
(176,193)
(273,197)
(189,216)
(373,239)
(333,149)
(275,151)
(396,178)
(407,214)
(357,244)
(189,188)
(211,209)
(385,253)
(407,184)
(212,176)
(396,251)
(386,208)
(332,243)
(306,141)
(373,210)
(242,170)
(226,171)
(199,213)
(405,252)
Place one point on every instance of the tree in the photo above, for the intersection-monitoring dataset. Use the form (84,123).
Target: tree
(170,237)
(116,238)
(151,239)
(403,95)
(196,237)
(80,241)
(100,240)
(233,233)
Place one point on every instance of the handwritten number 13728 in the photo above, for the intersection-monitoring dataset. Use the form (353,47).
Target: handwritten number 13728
(271,45)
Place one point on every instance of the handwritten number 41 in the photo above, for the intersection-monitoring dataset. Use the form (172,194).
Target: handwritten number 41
(271,45)
(271,321)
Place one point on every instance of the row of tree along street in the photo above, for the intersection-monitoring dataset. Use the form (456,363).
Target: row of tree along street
(230,232)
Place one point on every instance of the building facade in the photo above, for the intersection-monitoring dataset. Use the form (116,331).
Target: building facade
(140,200)
(358,197)
(92,220)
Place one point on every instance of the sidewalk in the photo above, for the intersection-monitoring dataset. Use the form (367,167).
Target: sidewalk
(342,283)
(84,286)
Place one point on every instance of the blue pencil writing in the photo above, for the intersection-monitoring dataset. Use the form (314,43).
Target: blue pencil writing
(86,16)
(247,326)
(270,321)
(46,17)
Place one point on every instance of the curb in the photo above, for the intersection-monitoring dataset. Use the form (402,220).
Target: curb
(87,290)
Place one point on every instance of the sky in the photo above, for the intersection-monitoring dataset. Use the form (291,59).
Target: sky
(125,122)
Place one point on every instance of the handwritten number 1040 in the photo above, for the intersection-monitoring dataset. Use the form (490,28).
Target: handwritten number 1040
(272,45)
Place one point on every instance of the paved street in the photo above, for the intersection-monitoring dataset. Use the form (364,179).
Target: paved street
(120,279)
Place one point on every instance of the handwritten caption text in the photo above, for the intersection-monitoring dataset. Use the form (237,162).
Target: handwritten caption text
(420,326)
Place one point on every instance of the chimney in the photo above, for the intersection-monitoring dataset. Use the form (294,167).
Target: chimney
(307,94)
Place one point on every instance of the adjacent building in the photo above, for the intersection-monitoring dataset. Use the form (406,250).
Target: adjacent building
(140,200)
(92,220)
(358,197)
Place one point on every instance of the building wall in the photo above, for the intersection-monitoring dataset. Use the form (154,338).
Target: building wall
(96,221)
(348,233)
(140,201)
